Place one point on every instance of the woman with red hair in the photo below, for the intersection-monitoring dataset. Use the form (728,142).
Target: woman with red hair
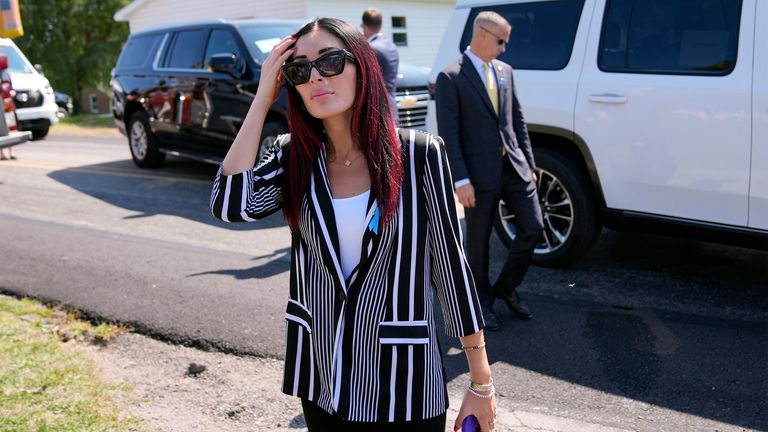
(374,236)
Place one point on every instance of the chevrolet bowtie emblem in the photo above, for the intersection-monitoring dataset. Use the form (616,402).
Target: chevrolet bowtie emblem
(406,102)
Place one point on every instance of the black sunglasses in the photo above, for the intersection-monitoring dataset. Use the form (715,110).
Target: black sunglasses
(327,65)
(498,39)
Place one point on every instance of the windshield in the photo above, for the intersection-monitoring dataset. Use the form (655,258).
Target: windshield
(261,39)
(16,63)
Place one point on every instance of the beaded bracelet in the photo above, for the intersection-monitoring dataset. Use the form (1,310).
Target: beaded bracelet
(482,395)
(473,348)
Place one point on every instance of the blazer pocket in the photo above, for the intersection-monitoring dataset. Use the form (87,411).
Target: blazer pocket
(404,332)
(298,313)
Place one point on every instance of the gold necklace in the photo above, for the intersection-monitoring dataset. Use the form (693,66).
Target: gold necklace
(347,161)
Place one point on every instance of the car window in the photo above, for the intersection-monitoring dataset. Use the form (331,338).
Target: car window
(221,42)
(187,50)
(697,37)
(542,32)
(261,39)
(138,51)
(16,62)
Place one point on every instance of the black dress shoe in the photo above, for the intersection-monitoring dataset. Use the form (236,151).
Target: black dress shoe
(491,321)
(518,309)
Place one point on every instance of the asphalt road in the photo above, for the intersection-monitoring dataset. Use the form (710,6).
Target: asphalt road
(645,333)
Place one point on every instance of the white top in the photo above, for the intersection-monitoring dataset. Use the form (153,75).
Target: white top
(350,223)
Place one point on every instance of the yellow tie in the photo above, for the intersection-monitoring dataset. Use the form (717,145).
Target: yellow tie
(490,85)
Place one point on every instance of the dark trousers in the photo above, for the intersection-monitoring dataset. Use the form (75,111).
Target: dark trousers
(320,421)
(521,199)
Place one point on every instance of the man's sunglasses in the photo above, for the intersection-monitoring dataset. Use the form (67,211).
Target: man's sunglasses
(498,39)
(327,65)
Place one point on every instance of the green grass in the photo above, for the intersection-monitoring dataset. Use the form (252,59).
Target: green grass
(47,385)
(87,126)
(89,121)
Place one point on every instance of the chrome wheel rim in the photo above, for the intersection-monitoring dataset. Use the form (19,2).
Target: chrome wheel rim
(138,140)
(557,212)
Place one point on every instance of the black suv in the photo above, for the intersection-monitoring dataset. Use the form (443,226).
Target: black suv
(185,90)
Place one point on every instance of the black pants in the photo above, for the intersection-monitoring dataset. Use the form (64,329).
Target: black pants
(320,421)
(521,199)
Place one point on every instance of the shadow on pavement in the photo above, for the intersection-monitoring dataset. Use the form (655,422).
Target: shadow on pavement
(180,188)
(278,262)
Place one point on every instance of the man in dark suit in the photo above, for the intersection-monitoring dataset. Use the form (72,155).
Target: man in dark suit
(480,119)
(386,51)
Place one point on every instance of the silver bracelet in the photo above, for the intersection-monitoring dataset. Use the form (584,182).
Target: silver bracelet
(482,395)
(473,348)
(482,387)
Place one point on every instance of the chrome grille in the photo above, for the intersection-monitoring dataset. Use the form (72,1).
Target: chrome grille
(27,99)
(412,107)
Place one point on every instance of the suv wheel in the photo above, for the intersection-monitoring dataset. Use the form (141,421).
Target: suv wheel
(40,133)
(142,142)
(569,209)
(272,129)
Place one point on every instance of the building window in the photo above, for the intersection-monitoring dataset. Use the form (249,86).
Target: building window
(93,103)
(399,32)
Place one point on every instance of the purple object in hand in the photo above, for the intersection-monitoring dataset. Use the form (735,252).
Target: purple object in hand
(470,424)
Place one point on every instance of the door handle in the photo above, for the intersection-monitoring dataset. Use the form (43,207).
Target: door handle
(611,98)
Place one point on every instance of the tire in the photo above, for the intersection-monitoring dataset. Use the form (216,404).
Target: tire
(40,133)
(569,208)
(142,142)
(272,128)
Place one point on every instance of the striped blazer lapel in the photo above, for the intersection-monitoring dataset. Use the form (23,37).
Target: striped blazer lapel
(371,238)
(321,208)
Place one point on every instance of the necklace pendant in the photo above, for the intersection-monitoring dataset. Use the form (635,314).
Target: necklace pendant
(347,162)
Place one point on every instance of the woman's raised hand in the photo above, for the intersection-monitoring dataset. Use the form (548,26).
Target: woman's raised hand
(271,74)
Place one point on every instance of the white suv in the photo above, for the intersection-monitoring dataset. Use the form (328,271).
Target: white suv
(35,103)
(644,114)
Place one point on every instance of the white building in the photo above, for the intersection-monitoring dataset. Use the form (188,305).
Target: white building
(416,26)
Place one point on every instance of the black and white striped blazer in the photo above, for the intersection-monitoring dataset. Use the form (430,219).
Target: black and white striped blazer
(366,347)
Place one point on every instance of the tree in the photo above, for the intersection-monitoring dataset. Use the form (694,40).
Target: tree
(76,41)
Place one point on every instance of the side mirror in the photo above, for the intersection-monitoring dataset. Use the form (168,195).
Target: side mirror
(226,63)
(3,62)
(39,68)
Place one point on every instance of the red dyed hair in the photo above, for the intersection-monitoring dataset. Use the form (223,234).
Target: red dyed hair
(372,124)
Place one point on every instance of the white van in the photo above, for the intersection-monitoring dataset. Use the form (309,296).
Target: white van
(35,104)
(649,115)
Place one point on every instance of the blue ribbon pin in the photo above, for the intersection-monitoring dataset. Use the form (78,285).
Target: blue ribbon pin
(374,225)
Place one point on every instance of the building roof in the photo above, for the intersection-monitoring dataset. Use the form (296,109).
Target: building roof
(125,13)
